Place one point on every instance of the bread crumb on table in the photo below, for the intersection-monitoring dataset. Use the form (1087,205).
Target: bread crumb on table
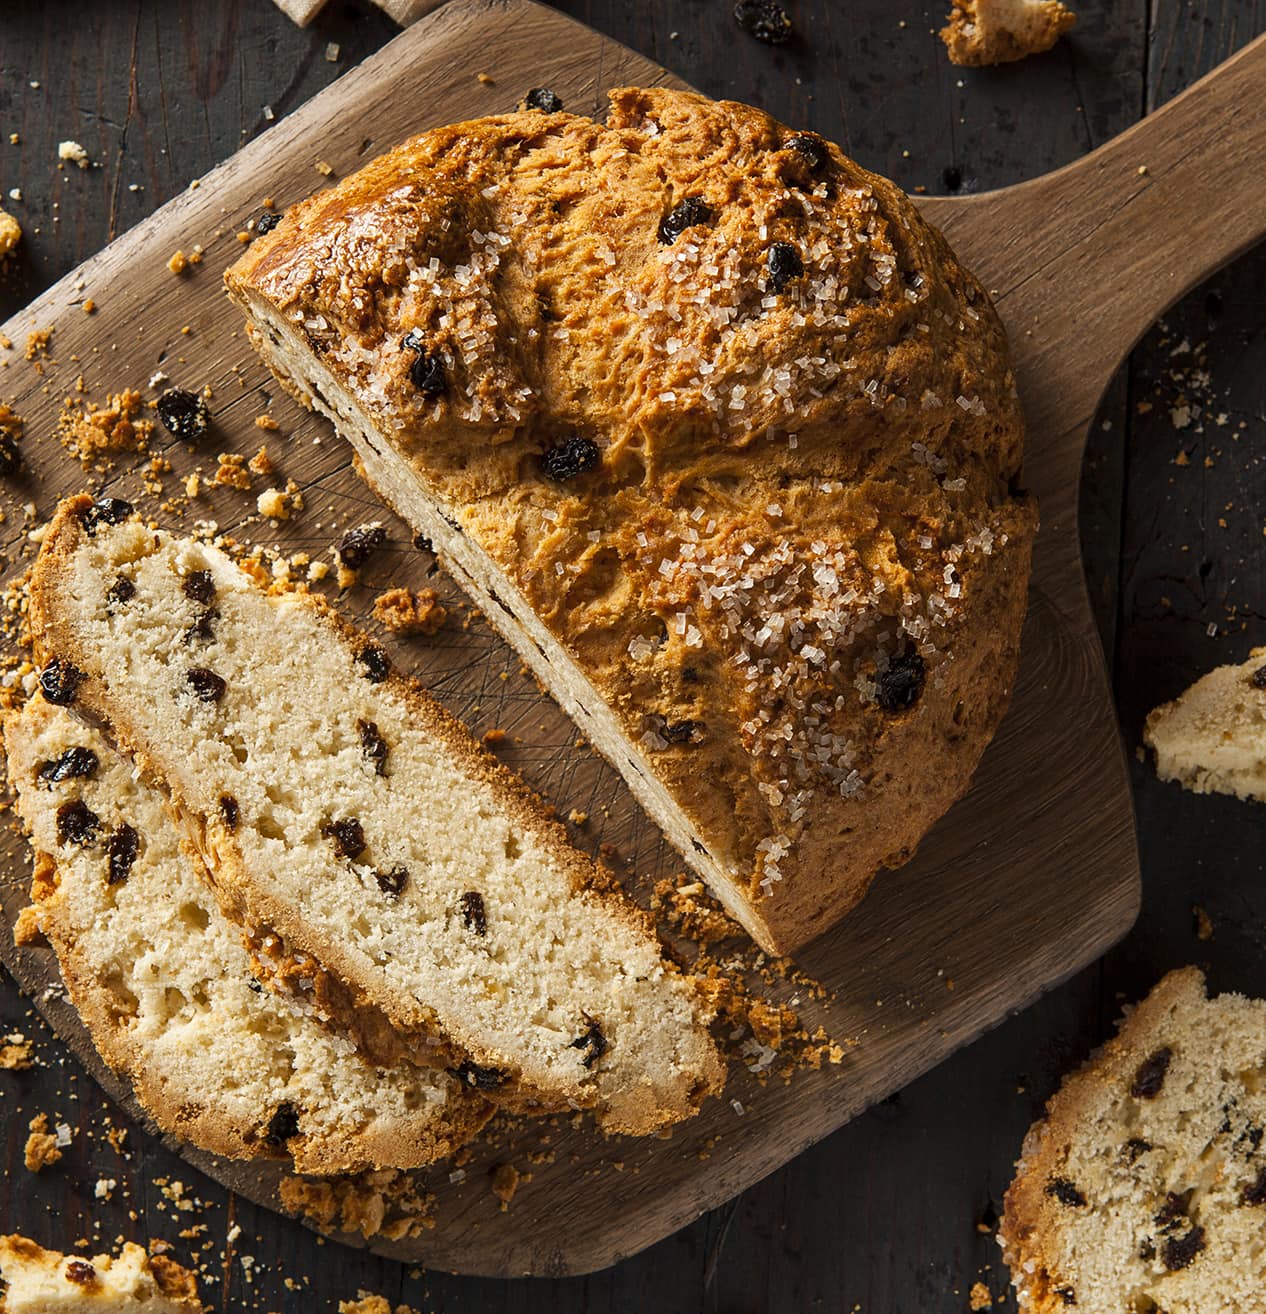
(367,1304)
(178,263)
(981,32)
(16,1053)
(42,1150)
(73,153)
(10,233)
(231,472)
(404,612)
(979,1297)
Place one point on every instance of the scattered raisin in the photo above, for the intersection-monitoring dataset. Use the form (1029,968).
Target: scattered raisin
(474,914)
(427,372)
(77,823)
(373,745)
(571,457)
(206,685)
(1067,1295)
(202,629)
(105,511)
(1179,1251)
(422,543)
(1258,678)
(283,1125)
(73,763)
(267,222)
(901,684)
(1065,1192)
(199,586)
(811,149)
(1150,1076)
(230,811)
(1255,1192)
(685,214)
(543,99)
(59,681)
(10,455)
(356,545)
(592,1041)
(1135,1147)
(81,1273)
(348,836)
(784,264)
(392,882)
(766,21)
(683,732)
(124,845)
(184,414)
(121,590)
(375,663)
(471,1074)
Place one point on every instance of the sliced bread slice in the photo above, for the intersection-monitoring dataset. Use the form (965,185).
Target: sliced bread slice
(1144,1188)
(164,983)
(39,1281)
(1212,738)
(381,860)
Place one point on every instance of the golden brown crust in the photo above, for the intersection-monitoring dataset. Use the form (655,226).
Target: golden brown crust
(867,424)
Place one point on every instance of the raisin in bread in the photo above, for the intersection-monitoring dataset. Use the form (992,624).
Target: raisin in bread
(1144,1187)
(1000,31)
(1212,738)
(717,432)
(164,983)
(379,858)
(39,1281)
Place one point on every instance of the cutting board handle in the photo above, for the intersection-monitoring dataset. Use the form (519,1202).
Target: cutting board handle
(1082,261)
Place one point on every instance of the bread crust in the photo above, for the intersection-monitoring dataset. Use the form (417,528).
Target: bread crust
(797,787)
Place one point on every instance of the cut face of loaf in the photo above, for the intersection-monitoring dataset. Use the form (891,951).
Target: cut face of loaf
(40,1281)
(380,860)
(1144,1187)
(166,988)
(717,433)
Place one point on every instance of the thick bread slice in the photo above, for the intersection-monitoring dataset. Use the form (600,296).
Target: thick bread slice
(165,985)
(719,435)
(1212,738)
(1144,1187)
(39,1281)
(379,857)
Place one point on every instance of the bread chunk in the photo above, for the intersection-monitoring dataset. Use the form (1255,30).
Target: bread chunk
(1000,31)
(383,864)
(39,1281)
(718,434)
(1144,1187)
(166,987)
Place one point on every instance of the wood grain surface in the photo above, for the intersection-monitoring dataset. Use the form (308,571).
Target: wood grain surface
(886,1210)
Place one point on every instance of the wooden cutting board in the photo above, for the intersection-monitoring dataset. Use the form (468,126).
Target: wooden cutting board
(1031,876)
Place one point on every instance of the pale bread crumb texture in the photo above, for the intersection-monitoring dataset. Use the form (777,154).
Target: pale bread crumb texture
(43,1281)
(377,853)
(1212,738)
(1001,31)
(1144,1187)
(165,986)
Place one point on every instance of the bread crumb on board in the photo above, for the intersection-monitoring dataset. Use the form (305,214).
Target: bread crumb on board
(404,612)
(44,1148)
(16,1053)
(73,153)
(981,32)
(88,431)
(384,1202)
(10,233)
(367,1304)
(979,1298)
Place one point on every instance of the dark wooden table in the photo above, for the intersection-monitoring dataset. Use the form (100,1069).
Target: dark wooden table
(891,1215)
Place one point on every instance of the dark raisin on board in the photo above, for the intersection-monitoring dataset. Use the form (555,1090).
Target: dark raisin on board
(474,914)
(688,212)
(1255,1192)
(283,1125)
(427,372)
(184,414)
(267,222)
(1061,1189)
(77,823)
(207,686)
(202,629)
(105,511)
(422,543)
(348,836)
(766,21)
(683,732)
(356,545)
(392,881)
(230,811)
(900,685)
(592,1041)
(783,263)
(811,149)
(1150,1076)
(543,99)
(373,745)
(10,455)
(571,457)
(374,662)
(121,852)
(122,590)
(471,1074)
(81,1273)
(59,682)
(1180,1251)
(70,765)
(199,586)
(1258,678)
